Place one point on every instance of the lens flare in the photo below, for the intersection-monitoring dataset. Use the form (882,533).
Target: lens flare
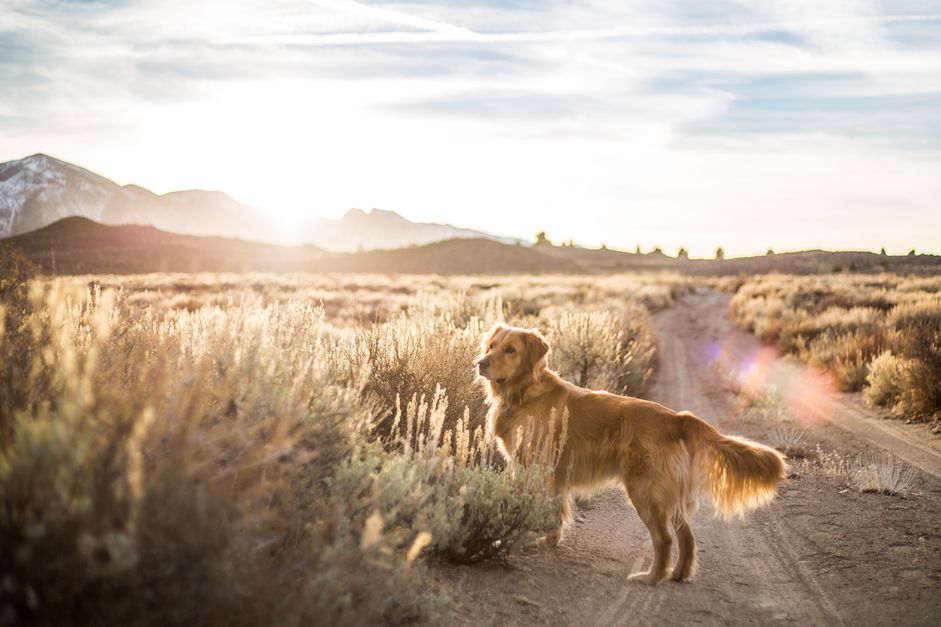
(761,375)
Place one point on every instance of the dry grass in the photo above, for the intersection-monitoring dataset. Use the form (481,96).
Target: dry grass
(789,440)
(205,450)
(884,474)
(880,334)
(879,473)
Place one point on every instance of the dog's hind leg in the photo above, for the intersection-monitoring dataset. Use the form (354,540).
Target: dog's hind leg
(686,561)
(656,518)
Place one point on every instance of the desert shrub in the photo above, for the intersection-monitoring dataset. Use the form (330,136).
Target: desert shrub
(872,472)
(882,473)
(604,350)
(414,353)
(216,460)
(884,379)
(846,324)
(156,470)
(759,314)
(801,328)
(918,327)
(15,272)
(448,485)
(790,441)
(845,355)
(727,284)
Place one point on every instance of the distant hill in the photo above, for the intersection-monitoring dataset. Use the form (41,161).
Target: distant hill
(80,246)
(39,190)
(456,256)
(801,262)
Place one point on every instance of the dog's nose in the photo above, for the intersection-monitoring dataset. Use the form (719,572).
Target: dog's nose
(483,363)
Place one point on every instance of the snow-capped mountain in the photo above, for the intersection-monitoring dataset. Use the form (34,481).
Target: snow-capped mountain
(39,190)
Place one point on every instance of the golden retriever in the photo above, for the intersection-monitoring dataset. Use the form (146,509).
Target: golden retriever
(665,460)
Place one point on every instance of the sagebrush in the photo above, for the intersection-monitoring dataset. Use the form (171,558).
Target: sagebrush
(208,450)
(880,334)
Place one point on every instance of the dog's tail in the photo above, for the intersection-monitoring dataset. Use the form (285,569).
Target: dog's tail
(739,475)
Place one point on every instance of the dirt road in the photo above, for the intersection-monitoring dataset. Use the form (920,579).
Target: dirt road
(822,554)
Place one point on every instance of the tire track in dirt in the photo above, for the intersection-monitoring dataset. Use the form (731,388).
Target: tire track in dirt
(780,588)
(910,443)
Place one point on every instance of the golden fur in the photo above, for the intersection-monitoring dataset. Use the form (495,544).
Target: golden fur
(665,460)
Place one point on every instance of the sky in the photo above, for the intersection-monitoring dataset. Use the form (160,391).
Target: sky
(749,125)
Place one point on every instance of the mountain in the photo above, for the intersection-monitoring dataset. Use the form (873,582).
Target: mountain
(81,246)
(77,245)
(380,229)
(39,190)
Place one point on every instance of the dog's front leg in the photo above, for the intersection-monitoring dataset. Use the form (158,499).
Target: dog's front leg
(565,515)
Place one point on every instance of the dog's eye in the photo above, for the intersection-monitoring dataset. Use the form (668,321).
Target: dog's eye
(509,350)
(491,346)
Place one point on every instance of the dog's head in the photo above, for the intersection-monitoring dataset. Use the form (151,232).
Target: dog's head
(511,354)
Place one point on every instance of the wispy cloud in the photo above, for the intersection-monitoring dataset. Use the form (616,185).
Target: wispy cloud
(394,17)
(432,31)
(723,116)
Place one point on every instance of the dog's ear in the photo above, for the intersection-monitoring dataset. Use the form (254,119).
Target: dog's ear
(487,337)
(536,347)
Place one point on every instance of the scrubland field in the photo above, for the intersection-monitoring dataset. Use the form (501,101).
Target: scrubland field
(880,334)
(310,449)
(274,449)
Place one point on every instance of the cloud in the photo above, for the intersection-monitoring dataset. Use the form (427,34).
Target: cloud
(468,111)
(394,17)
(432,31)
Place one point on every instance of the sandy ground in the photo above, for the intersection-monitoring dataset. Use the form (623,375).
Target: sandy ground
(822,554)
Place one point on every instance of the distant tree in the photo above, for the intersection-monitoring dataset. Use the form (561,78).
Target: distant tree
(720,254)
(542,238)
(911,253)
(657,251)
(882,252)
(571,243)
(604,246)
(637,250)
(682,254)
(770,251)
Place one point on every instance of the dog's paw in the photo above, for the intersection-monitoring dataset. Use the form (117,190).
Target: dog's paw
(679,575)
(552,538)
(647,578)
